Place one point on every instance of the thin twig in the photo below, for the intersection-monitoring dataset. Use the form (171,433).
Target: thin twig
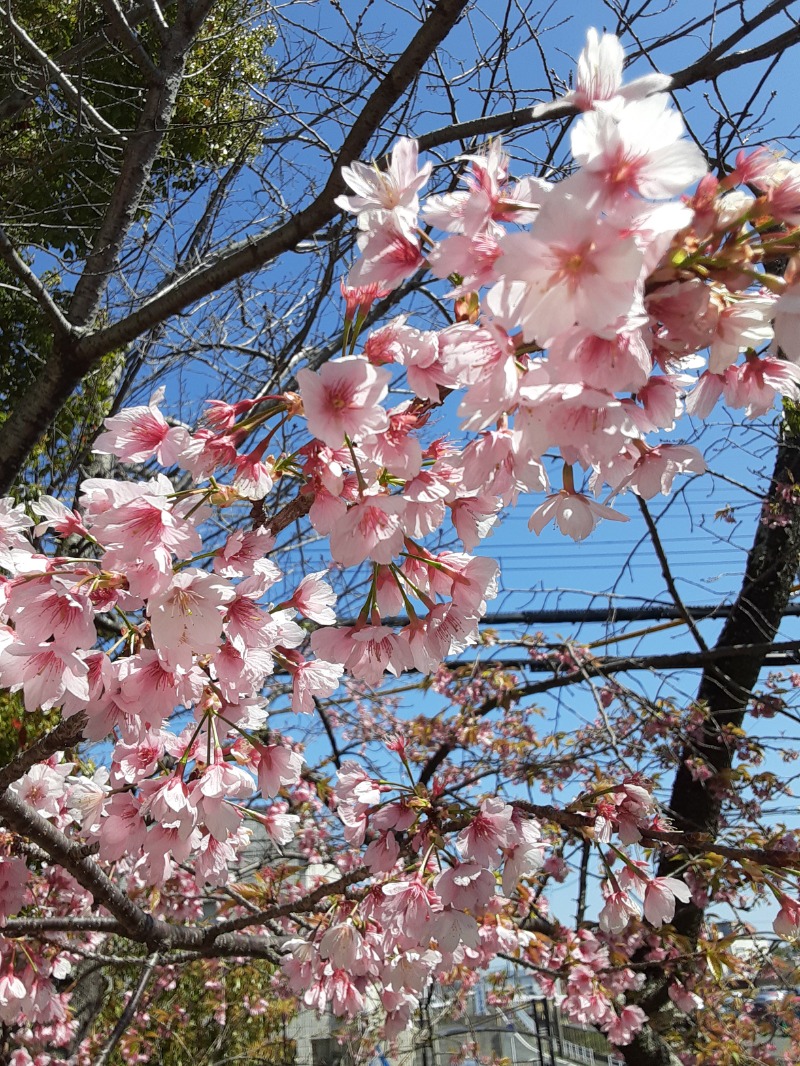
(130,1009)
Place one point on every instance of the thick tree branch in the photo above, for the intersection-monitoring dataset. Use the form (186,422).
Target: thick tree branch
(255,252)
(123,33)
(137,163)
(92,923)
(157,19)
(721,63)
(65,735)
(24,820)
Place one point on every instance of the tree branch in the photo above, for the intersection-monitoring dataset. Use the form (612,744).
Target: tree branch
(23,819)
(124,34)
(20,268)
(16,102)
(605,667)
(666,573)
(252,253)
(137,162)
(66,734)
(130,1009)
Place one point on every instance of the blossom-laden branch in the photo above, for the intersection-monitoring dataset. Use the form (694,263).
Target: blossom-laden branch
(574,303)
(70,363)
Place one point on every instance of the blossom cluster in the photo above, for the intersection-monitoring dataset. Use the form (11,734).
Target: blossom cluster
(590,314)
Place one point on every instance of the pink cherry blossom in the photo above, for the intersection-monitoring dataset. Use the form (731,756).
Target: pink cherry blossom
(13,521)
(656,468)
(466,886)
(756,383)
(278,767)
(626,1025)
(390,254)
(281,827)
(46,674)
(572,269)
(382,854)
(371,529)
(186,618)
(360,299)
(141,433)
(598,79)
(384,190)
(575,515)
(315,599)
(618,910)
(13,996)
(343,399)
(744,324)
(412,905)
(57,517)
(312,679)
(640,150)
(659,899)
(343,945)
(486,834)
(787,920)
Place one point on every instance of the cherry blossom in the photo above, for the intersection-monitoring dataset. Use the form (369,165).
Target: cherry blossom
(659,899)
(583,314)
(575,515)
(343,399)
(141,433)
(395,188)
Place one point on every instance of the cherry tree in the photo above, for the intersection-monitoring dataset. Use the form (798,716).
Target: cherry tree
(584,316)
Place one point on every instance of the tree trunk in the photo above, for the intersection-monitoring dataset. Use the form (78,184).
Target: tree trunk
(726,688)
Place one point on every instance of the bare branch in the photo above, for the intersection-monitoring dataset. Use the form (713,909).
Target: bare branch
(130,1009)
(34,286)
(157,19)
(123,31)
(137,163)
(667,575)
(248,255)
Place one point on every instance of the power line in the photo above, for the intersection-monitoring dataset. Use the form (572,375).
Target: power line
(657,612)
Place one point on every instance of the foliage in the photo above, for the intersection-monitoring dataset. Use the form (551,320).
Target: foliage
(57,208)
(51,205)
(202,1014)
